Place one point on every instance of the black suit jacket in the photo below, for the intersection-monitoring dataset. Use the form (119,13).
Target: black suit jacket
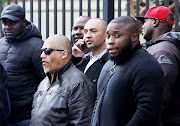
(94,70)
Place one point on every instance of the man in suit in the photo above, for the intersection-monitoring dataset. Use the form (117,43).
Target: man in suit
(93,41)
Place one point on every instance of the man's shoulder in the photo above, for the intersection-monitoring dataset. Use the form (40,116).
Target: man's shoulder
(107,67)
(74,75)
(34,40)
(164,44)
(74,72)
(142,55)
(167,40)
(87,55)
(83,62)
(141,59)
(2,40)
(105,57)
(44,83)
(165,47)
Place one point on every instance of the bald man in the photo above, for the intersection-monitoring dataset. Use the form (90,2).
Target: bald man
(130,85)
(94,39)
(78,28)
(65,96)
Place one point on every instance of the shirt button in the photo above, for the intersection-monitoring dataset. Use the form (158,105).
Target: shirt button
(94,80)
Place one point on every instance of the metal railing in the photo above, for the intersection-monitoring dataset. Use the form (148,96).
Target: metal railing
(57,16)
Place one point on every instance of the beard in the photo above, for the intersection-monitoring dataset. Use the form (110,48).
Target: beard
(148,34)
(10,38)
(124,53)
(46,70)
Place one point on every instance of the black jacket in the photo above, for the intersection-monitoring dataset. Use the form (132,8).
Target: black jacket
(94,70)
(21,59)
(4,100)
(69,99)
(133,96)
(166,49)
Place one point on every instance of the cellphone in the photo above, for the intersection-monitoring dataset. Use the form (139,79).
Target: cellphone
(84,47)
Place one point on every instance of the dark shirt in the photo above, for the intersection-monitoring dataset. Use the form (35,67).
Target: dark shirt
(132,95)
(94,70)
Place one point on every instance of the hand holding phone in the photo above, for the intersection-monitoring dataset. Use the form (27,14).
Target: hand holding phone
(83,47)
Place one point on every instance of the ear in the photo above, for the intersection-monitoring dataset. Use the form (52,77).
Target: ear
(64,54)
(134,37)
(155,22)
(105,37)
(24,22)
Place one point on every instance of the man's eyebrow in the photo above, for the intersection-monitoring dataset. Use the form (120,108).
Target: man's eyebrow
(93,28)
(78,26)
(90,29)
(116,31)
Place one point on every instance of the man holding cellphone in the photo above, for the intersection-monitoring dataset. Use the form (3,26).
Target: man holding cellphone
(94,38)
(78,33)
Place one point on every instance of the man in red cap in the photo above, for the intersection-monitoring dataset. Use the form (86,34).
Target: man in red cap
(165,47)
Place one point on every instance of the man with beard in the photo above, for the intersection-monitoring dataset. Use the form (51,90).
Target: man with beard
(164,45)
(65,96)
(94,40)
(20,56)
(130,85)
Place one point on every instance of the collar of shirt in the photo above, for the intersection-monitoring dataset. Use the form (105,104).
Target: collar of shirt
(60,71)
(98,56)
(94,59)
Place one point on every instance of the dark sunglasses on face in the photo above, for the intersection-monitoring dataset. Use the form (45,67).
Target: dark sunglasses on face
(48,51)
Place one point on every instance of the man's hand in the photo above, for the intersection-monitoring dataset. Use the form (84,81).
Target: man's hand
(77,48)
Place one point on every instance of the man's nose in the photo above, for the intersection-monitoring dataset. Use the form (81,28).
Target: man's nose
(109,41)
(88,34)
(43,55)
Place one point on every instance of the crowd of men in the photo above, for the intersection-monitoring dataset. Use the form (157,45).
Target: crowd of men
(105,79)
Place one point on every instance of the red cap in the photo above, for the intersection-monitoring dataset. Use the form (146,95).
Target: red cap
(158,12)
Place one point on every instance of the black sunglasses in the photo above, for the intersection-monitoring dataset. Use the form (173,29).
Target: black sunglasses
(48,51)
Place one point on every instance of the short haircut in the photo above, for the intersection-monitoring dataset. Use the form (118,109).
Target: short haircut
(103,24)
(128,21)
